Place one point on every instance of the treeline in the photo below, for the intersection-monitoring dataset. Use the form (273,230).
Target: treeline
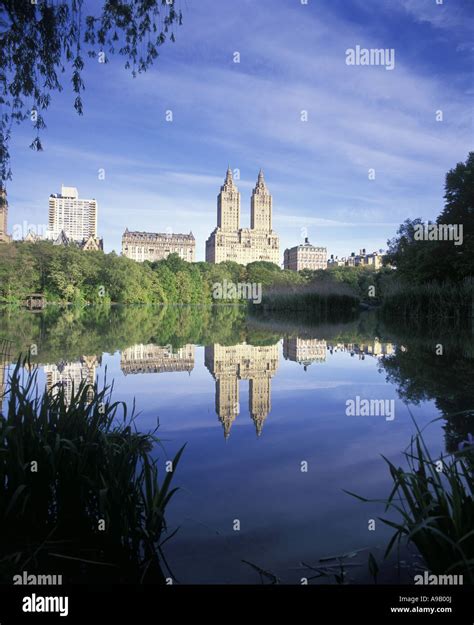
(425,271)
(69,275)
(434,277)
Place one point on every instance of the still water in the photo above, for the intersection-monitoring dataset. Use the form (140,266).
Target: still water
(262,405)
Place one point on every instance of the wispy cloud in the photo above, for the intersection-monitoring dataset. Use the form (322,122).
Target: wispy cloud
(167,174)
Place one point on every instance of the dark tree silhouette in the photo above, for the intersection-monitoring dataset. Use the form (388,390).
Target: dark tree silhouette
(40,40)
(425,261)
(459,196)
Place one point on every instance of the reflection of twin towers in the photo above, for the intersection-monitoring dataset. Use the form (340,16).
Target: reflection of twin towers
(228,364)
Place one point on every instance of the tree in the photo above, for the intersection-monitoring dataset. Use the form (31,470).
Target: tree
(175,263)
(165,280)
(421,261)
(459,196)
(403,250)
(459,210)
(42,39)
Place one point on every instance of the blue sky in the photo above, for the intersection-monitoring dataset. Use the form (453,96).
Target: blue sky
(163,175)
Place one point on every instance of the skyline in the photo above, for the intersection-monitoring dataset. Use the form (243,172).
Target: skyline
(159,174)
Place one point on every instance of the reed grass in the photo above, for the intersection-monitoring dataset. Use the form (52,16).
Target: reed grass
(320,300)
(93,465)
(433,499)
(432,303)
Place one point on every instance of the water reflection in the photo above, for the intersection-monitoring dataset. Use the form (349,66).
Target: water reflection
(190,368)
(67,376)
(230,364)
(304,351)
(373,348)
(152,358)
(70,347)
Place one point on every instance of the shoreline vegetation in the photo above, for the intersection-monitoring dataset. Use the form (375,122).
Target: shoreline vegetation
(92,444)
(431,305)
(89,437)
(85,474)
(433,501)
(67,276)
(71,279)
(323,300)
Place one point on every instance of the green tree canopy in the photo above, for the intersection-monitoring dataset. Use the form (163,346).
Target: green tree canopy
(459,196)
(420,261)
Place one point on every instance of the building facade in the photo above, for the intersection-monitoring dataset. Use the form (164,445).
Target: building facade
(228,241)
(153,246)
(373,259)
(4,238)
(375,348)
(305,256)
(75,216)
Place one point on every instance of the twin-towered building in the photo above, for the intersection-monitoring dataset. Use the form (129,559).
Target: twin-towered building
(73,221)
(228,241)
(229,364)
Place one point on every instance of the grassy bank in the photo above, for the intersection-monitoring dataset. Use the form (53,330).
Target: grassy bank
(79,489)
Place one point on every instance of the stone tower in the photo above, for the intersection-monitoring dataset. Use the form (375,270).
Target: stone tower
(259,399)
(228,205)
(227,401)
(3,215)
(261,206)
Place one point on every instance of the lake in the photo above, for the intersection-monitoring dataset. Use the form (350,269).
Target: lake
(280,417)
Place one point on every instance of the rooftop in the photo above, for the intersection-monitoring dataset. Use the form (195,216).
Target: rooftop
(129,234)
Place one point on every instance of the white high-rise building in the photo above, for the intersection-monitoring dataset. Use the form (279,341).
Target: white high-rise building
(75,217)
